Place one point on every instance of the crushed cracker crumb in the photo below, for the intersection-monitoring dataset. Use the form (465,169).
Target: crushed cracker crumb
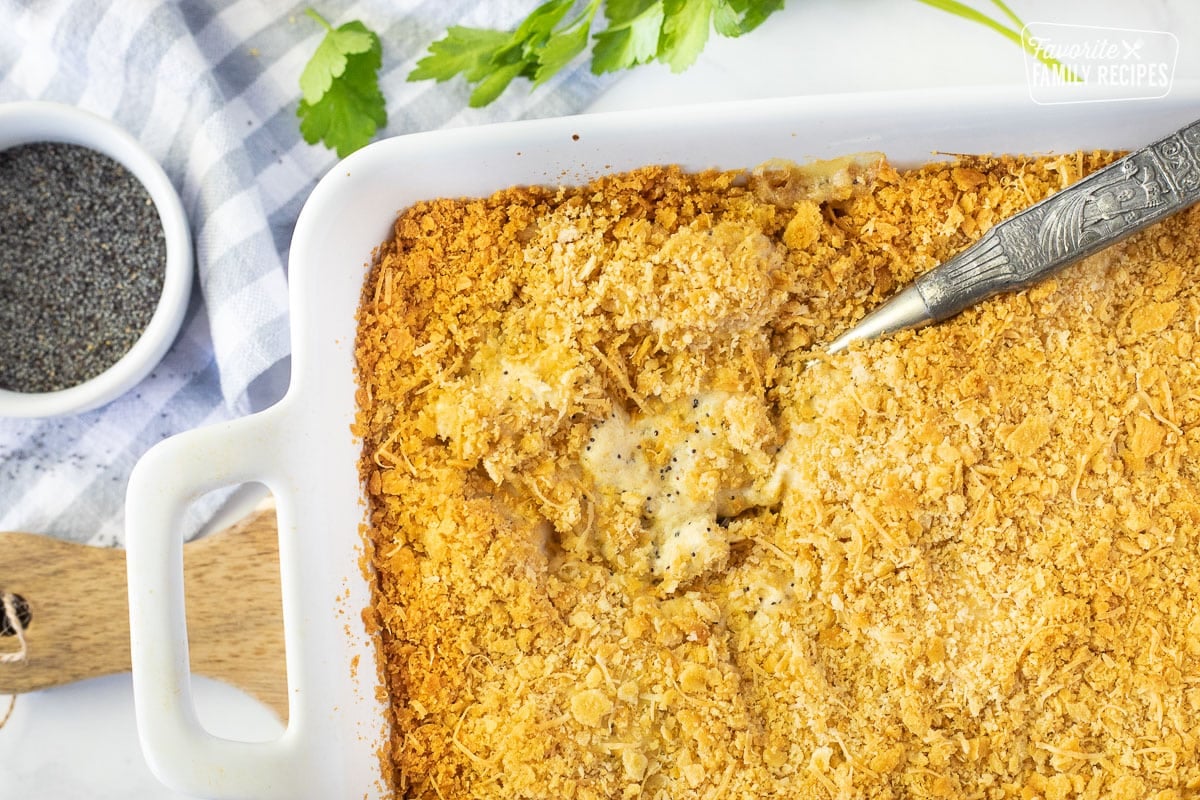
(631,540)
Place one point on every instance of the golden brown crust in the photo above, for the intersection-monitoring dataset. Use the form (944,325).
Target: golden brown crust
(958,562)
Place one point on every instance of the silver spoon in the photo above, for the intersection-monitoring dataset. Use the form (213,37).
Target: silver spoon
(1112,203)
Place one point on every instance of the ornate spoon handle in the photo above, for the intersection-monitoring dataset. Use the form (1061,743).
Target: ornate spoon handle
(1110,204)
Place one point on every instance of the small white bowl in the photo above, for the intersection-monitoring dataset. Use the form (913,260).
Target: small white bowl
(30,122)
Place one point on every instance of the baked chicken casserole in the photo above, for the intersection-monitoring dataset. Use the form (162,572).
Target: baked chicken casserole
(635,536)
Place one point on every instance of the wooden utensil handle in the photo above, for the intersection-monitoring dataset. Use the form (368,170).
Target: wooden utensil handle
(79,610)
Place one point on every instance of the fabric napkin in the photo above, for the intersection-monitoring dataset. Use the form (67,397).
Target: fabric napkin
(211,89)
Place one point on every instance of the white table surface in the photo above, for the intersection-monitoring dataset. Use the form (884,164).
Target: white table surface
(80,741)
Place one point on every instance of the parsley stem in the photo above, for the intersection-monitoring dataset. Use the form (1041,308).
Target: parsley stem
(588,13)
(313,13)
(1008,12)
(966,12)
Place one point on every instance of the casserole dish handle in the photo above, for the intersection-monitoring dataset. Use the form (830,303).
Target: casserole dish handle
(178,749)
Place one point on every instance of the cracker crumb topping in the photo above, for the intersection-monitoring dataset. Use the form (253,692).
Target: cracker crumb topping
(634,536)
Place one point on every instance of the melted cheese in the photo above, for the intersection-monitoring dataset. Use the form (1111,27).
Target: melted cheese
(686,469)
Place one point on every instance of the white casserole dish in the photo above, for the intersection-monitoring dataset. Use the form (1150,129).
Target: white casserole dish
(302,448)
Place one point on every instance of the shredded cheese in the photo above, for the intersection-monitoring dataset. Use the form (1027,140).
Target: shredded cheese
(633,537)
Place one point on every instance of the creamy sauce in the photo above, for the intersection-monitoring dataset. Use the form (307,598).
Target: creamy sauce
(686,468)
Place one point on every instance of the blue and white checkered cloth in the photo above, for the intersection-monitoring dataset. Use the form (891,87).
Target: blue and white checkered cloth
(210,87)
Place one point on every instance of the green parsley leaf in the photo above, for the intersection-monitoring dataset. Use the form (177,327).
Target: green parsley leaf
(329,61)
(685,32)
(537,49)
(561,48)
(630,41)
(341,104)
(732,18)
(622,12)
(635,32)
(538,26)
(490,87)
(466,50)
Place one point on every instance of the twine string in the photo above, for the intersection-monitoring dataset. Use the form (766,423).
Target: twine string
(9,603)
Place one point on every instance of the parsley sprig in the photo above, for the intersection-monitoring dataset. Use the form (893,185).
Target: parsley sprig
(343,107)
(635,32)
(341,104)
